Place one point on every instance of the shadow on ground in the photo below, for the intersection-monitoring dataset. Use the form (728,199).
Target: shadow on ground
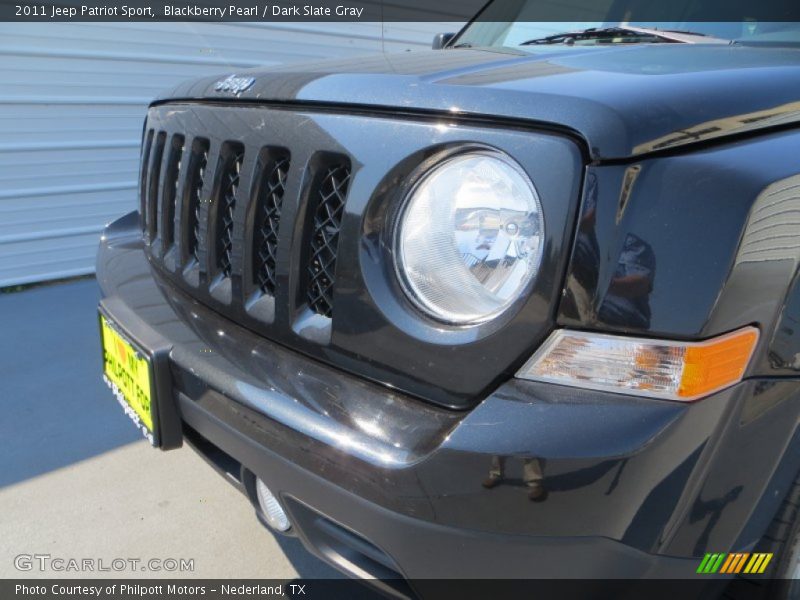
(306,564)
(56,409)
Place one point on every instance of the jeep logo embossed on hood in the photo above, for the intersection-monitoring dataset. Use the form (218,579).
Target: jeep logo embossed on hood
(234,84)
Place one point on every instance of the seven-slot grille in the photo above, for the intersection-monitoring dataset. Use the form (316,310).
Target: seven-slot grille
(184,212)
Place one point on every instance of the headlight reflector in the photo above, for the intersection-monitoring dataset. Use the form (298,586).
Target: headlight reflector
(469,238)
(644,367)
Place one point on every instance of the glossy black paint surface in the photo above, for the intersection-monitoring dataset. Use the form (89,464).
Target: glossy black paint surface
(374,331)
(687,246)
(681,233)
(657,477)
(624,100)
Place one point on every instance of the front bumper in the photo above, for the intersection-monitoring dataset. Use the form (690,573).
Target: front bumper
(384,485)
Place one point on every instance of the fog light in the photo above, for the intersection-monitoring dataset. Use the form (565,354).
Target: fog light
(271,508)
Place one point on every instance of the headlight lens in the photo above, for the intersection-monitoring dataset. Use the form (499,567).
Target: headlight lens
(469,238)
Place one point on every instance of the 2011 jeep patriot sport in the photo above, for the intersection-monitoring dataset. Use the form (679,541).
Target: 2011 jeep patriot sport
(527,305)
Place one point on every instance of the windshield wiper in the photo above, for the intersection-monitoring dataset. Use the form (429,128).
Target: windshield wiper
(627,35)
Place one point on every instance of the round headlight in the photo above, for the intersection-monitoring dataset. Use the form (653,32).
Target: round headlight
(469,238)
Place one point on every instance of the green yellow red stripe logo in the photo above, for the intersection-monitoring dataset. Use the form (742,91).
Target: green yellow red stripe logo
(735,562)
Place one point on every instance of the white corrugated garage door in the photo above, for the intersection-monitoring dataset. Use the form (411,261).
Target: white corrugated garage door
(72,101)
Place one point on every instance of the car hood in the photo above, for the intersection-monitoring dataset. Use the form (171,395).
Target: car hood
(623,101)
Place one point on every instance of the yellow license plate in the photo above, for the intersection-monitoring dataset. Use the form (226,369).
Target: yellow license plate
(128,373)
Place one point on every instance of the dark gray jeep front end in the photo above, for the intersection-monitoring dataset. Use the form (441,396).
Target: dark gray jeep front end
(260,280)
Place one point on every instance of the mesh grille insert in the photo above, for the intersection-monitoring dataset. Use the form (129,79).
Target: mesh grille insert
(331,196)
(220,240)
(193,197)
(230,170)
(148,143)
(152,187)
(272,171)
(170,195)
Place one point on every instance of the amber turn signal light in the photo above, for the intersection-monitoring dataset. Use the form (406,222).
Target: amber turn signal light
(654,368)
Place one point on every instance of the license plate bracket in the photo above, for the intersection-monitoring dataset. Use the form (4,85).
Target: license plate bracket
(139,376)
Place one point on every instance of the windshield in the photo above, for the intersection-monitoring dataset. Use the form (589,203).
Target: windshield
(519,24)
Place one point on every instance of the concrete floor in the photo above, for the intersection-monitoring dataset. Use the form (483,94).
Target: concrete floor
(78,481)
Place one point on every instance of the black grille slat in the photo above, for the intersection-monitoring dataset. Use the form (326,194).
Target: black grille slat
(154,178)
(169,194)
(273,169)
(193,198)
(230,169)
(148,144)
(330,199)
